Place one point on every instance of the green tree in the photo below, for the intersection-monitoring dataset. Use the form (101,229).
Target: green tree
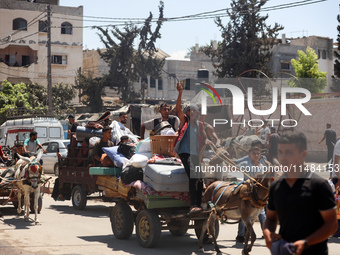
(62,94)
(335,87)
(37,95)
(13,96)
(126,63)
(308,73)
(91,90)
(246,41)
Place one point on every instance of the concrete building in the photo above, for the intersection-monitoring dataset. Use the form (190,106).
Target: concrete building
(23,38)
(286,50)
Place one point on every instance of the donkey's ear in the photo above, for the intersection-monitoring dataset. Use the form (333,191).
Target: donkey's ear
(26,159)
(39,155)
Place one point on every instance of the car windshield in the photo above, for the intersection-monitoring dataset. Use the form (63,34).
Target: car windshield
(66,144)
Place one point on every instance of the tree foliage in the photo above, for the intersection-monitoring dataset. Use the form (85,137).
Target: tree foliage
(335,87)
(91,90)
(33,97)
(62,94)
(126,63)
(246,41)
(13,96)
(308,73)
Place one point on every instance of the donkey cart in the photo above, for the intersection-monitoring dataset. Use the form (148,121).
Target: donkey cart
(153,214)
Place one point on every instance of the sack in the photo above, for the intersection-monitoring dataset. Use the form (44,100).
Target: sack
(138,160)
(127,149)
(144,146)
(104,120)
(130,174)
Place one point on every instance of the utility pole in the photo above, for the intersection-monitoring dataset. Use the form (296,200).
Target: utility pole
(49,60)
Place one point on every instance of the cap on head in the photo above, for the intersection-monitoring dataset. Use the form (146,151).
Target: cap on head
(273,128)
(70,117)
(191,106)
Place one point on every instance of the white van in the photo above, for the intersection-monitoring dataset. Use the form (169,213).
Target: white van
(20,129)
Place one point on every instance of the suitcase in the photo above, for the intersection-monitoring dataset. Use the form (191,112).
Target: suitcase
(166,177)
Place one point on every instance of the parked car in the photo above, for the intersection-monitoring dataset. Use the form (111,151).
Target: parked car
(50,159)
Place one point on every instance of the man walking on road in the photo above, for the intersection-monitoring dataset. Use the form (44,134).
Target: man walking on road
(330,137)
(301,201)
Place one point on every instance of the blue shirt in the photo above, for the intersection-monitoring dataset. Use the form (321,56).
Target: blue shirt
(189,142)
(247,166)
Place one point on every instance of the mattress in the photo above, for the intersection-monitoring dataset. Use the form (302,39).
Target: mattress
(105,171)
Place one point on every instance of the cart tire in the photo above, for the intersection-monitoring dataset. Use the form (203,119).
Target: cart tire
(148,228)
(79,198)
(122,221)
(198,230)
(32,203)
(183,226)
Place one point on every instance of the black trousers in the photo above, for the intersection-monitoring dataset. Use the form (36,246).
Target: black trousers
(189,162)
(330,148)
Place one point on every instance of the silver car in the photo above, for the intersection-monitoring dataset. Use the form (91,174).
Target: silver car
(50,159)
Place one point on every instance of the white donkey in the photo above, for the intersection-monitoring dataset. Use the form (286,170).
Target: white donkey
(27,175)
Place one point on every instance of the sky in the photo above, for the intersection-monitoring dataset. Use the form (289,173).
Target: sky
(319,18)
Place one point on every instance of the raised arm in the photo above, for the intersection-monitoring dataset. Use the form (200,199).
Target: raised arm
(179,105)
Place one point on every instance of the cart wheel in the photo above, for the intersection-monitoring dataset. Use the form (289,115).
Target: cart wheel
(122,220)
(148,228)
(198,230)
(79,198)
(183,226)
(32,203)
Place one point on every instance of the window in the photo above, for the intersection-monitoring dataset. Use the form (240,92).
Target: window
(59,59)
(42,26)
(324,54)
(187,84)
(25,60)
(20,24)
(66,28)
(285,66)
(160,84)
(55,132)
(52,147)
(42,132)
(152,83)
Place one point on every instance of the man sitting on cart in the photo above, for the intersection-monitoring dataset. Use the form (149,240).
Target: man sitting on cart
(104,142)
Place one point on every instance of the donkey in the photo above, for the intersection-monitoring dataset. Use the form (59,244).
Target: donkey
(237,201)
(27,175)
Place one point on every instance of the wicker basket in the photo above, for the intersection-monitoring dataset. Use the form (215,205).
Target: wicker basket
(163,145)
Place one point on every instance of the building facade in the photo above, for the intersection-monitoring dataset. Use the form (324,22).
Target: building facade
(23,41)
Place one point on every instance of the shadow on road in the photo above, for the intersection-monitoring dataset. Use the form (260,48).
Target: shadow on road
(168,244)
(93,211)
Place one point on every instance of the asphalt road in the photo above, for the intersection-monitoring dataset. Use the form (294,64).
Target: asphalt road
(65,231)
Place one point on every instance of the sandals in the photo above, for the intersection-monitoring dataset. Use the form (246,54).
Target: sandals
(195,209)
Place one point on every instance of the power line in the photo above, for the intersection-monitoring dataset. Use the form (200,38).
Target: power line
(30,23)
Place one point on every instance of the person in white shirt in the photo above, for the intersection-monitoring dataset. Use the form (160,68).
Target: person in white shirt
(119,130)
(264,132)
